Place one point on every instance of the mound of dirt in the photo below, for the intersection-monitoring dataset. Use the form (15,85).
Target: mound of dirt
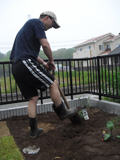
(66,141)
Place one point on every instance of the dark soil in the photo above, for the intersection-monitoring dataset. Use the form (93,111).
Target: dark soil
(66,141)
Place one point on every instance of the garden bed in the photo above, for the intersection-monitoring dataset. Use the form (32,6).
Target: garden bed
(66,141)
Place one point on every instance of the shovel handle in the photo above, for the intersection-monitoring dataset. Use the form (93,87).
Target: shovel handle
(62,95)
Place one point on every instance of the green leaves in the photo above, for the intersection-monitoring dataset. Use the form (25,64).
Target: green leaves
(118,136)
(107,136)
(81,114)
(110,125)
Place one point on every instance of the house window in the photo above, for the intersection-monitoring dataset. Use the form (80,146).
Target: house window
(80,49)
(100,47)
(108,45)
(88,47)
(117,45)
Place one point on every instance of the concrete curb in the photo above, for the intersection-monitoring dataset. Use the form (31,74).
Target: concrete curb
(106,106)
(110,107)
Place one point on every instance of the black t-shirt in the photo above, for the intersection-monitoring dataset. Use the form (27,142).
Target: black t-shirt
(26,44)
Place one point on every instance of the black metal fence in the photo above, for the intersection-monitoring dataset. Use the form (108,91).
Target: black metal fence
(97,75)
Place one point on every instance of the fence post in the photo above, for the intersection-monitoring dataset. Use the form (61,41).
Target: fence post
(41,95)
(99,77)
(70,72)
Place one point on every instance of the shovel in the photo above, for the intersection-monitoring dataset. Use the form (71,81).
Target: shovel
(76,119)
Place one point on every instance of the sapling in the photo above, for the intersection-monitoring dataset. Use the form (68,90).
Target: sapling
(81,114)
(85,106)
(110,126)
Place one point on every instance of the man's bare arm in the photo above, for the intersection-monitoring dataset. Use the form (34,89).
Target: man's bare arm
(40,61)
(47,50)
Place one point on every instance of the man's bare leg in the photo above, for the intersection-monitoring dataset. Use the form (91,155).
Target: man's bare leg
(55,94)
(32,106)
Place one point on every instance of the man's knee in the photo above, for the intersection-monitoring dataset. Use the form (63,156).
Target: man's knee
(34,99)
(54,85)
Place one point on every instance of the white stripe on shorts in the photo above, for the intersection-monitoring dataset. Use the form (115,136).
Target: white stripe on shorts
(37,73)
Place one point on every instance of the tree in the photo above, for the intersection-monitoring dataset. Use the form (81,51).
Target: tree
(1,56)
(62,53)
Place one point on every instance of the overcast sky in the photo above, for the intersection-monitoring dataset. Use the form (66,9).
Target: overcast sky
(79,20)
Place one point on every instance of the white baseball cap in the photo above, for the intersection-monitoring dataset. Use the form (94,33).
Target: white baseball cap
(51,14)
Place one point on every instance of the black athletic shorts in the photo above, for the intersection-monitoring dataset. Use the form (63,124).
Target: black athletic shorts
(30,77)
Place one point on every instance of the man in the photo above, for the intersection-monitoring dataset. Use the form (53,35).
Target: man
(28,75)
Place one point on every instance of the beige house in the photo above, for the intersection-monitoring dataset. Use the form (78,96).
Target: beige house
(96,46)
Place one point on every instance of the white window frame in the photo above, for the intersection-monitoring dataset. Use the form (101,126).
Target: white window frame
(108,45)
(79,49)
(88,47)
(101,47)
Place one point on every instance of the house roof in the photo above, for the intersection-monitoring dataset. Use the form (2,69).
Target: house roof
(104,53)
(94,39)
(116,50)
(113,38)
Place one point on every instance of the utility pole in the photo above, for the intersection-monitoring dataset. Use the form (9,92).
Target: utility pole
(29,16)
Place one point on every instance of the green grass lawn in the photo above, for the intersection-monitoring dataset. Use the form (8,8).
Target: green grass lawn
(9,150)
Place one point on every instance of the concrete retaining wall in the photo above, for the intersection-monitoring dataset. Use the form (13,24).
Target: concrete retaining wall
(110,107)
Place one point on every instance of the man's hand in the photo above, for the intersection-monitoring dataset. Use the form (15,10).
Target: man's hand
(51,65)
(45,65)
